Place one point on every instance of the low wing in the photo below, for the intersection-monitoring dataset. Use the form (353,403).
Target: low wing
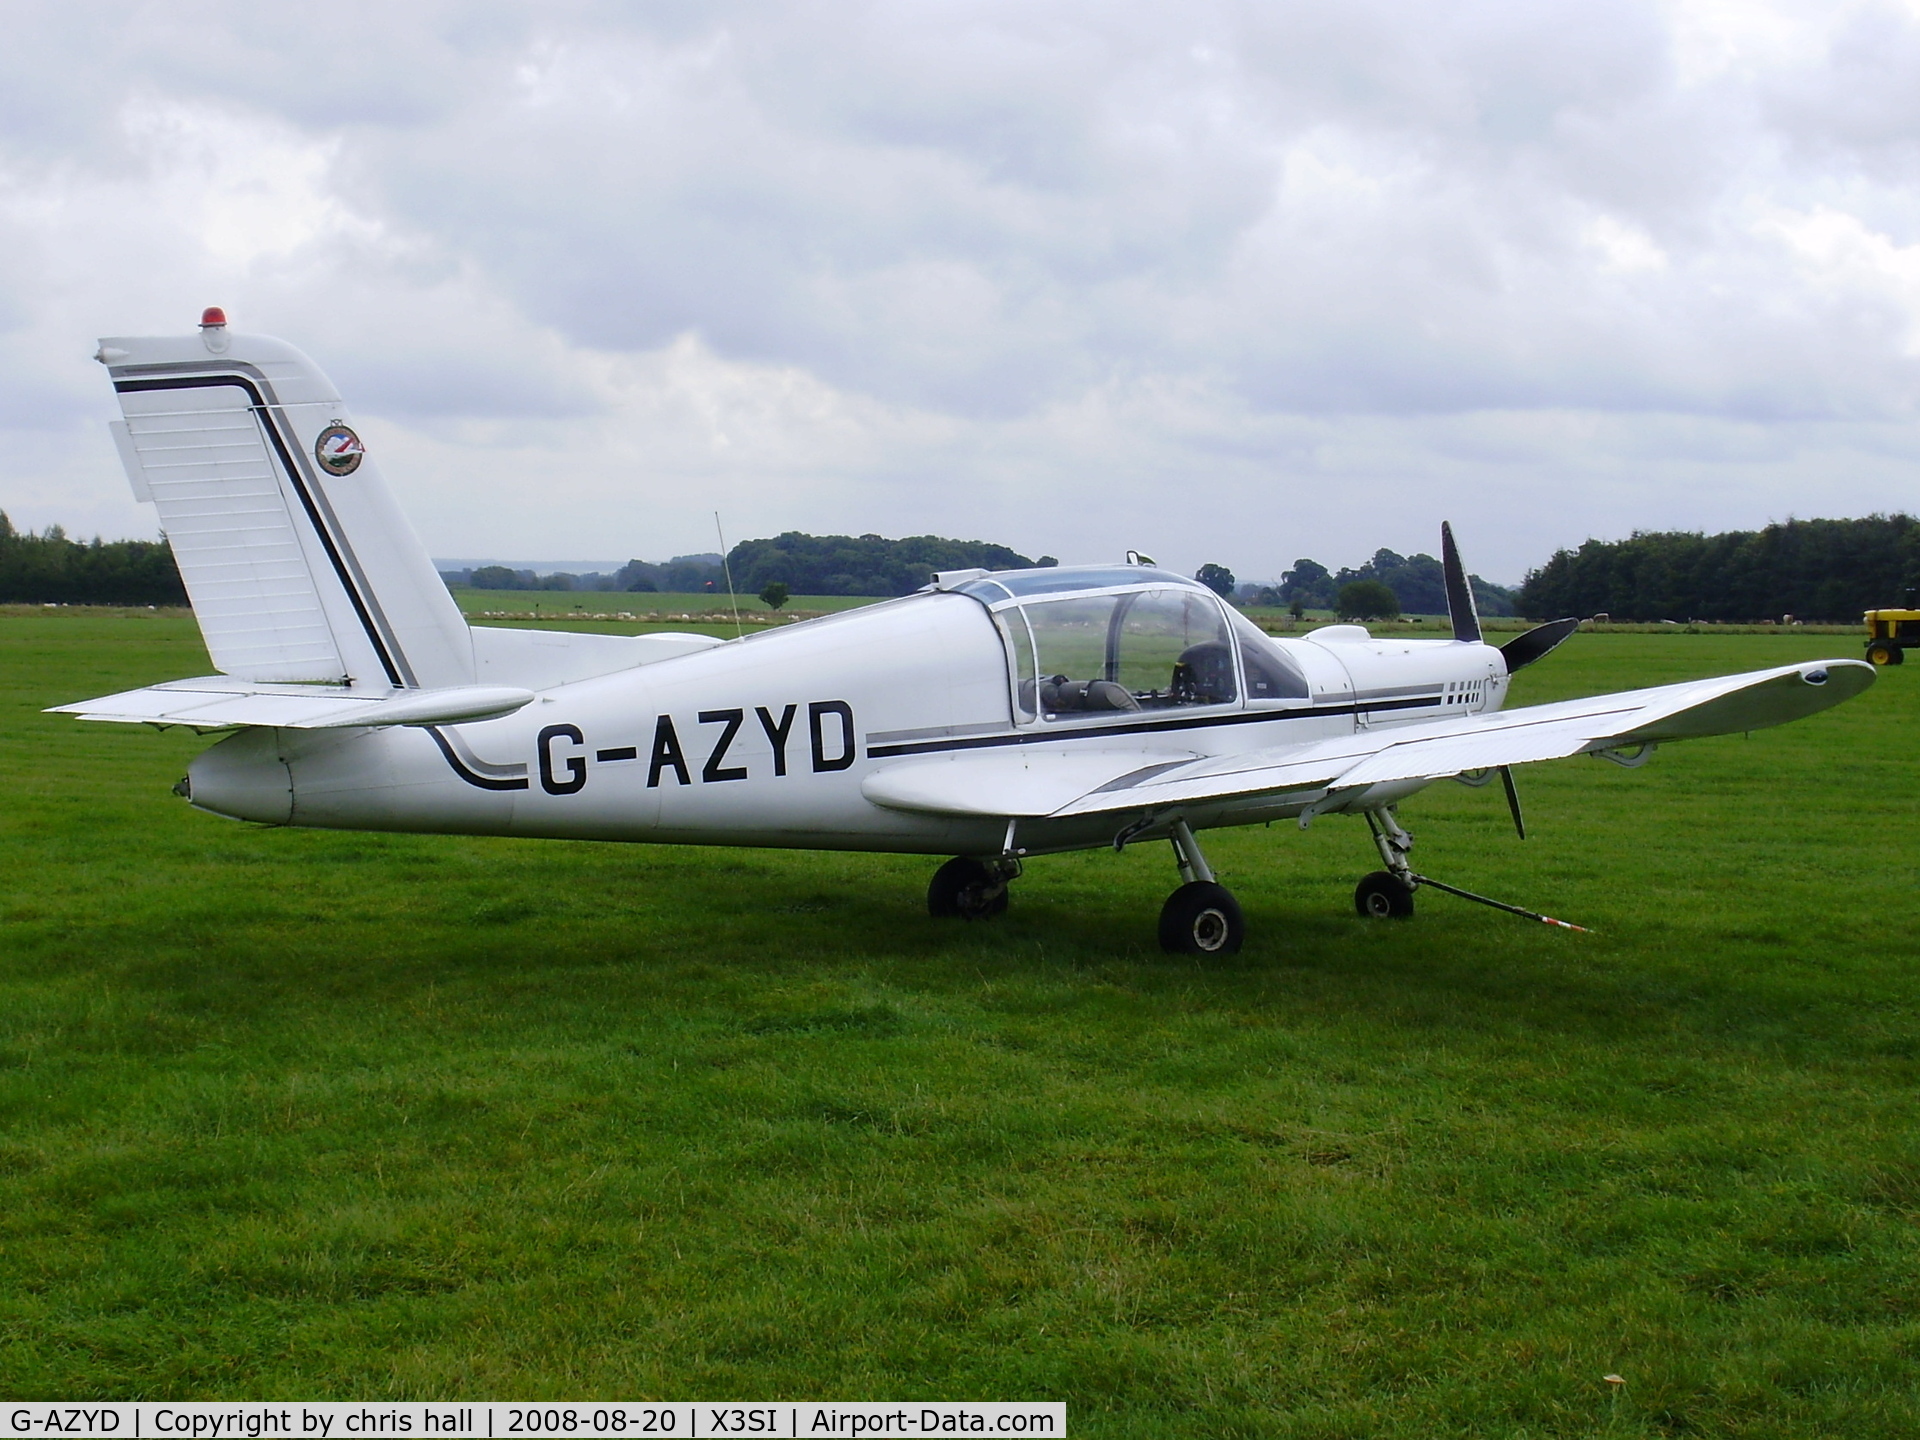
(1038,783)
(221,703)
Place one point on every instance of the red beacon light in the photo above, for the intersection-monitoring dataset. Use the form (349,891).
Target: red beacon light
(211,316)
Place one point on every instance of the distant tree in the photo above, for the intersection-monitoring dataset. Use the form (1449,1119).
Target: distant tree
(496,577)
(1366,600)
(50,569)
(861,564)
(684,574)
(1045,562)
(1310,583)
(1217,578)
(776,594)
(1297,609)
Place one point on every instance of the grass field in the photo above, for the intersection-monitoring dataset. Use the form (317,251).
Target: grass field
(311,1115)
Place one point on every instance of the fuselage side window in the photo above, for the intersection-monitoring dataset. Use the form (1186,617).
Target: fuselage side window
(1019,642)
(1108,654)
(1271,673)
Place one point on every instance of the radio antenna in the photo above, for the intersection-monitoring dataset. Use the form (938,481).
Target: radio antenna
(727,565)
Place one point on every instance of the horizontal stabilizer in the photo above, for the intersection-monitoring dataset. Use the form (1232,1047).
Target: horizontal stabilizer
(220,703)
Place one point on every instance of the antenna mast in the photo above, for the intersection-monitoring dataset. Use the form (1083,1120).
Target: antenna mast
(727,566)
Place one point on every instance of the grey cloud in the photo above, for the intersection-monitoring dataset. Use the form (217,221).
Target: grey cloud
(1305,218)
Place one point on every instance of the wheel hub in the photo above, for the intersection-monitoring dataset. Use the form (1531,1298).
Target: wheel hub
(1209,930)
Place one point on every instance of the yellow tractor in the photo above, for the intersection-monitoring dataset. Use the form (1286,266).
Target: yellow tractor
(1890,633)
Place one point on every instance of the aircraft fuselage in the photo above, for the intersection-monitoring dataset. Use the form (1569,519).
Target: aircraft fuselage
(767,740)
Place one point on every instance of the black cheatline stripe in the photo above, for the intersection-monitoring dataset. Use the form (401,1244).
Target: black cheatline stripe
(1152,727)
(340,570)
(460,768)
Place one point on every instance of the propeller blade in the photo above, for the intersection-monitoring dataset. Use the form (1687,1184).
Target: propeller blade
(1513,801)
(1460,606)
(1534,644)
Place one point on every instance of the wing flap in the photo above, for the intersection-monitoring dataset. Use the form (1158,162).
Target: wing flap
(1012,783)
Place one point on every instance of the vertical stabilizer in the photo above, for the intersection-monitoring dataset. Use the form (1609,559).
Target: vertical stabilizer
(298,562)
(1460,607)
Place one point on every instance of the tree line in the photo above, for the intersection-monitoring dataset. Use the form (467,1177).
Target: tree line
(50,569)
(1417,582)
(862,564)
(1810,569)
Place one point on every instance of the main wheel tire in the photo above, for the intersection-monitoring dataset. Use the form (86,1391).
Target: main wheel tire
(1201,918)
(964,889)
(1882,653)
(1383,896)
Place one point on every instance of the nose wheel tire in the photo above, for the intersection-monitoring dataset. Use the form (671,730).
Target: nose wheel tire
(964,889)
(1383,896)
(1201,918)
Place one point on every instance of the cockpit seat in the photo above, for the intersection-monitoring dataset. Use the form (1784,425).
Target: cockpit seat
(1060,695)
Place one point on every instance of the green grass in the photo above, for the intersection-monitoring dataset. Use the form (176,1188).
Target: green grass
(301,1114)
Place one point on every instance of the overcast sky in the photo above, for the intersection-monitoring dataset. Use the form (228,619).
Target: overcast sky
(1222,282)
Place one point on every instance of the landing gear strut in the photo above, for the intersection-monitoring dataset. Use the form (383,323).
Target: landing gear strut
(968,889)
(1201,917)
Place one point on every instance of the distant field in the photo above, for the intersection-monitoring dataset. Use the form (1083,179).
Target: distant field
(639,603)
(290,1113)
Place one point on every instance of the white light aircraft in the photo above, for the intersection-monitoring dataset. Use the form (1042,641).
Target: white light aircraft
(990,717)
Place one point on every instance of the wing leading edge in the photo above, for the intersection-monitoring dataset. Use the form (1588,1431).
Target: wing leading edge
(1036,783)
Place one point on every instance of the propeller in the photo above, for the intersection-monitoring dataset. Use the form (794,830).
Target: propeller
(1534,644)
(1513,800)
(1460,606)
(1522,650)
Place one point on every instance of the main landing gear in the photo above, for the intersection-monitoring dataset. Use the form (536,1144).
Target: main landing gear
(1200,918)
(969,889)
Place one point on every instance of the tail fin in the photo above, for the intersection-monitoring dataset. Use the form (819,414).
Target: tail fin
(298,562)
(1460,607)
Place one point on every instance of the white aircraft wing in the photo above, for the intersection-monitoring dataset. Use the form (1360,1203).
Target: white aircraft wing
(219,702)
(1022,784)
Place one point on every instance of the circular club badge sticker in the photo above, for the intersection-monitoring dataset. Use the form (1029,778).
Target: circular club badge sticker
(338,450)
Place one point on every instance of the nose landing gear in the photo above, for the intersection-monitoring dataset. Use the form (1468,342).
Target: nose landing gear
(1388,894)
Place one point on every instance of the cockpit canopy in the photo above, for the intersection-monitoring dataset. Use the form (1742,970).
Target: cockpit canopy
(1099,641)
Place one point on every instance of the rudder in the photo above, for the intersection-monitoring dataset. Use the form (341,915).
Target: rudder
(299,564)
